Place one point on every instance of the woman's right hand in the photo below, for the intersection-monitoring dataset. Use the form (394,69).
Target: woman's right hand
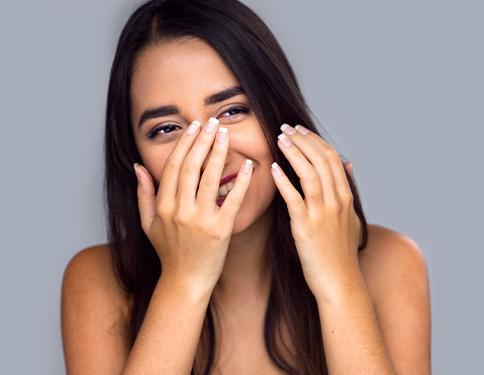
(188,230)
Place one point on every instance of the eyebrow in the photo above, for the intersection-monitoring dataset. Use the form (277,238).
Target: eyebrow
(168,110)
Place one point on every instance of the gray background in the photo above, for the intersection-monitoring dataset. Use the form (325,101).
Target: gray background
(399,86)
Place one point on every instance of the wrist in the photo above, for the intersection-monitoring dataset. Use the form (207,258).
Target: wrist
(340,288)
(192,290)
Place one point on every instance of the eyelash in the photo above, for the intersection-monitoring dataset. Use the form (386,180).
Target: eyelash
(155,131)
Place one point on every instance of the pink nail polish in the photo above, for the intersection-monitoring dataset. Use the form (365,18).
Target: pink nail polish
(285,140)
(301,129)
(247,166)
(136,171)
(277,169)
(288,129)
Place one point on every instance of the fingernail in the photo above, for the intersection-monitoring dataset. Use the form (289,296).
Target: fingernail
(277,169)
(301,129)
(192,129)
(247,166)
(212,124)
(136,171)
(288,129)
(285,141)
(222,135)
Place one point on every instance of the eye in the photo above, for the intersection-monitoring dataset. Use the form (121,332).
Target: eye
(155,131)
(238,110)
(167,128)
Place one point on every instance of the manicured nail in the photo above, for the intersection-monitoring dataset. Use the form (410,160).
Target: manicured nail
(277,169)
(285,141)
(247,166)
(136,171)
(301,129)
(192,129)
(222,135)
(212,124)
(288,129)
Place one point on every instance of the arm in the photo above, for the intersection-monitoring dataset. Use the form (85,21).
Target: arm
(94,314)
(352,338)
(395,276)
(168,338)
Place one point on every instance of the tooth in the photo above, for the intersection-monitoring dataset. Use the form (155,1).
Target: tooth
(222,190)
(230,186)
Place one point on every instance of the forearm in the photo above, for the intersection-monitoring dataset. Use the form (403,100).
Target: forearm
(168,339)
(352,338)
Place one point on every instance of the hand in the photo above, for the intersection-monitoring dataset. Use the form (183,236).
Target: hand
(188,230)
(324,225)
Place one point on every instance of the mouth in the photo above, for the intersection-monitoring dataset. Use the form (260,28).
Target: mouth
(226,185)
(220,200)
(227,178)
(224,189)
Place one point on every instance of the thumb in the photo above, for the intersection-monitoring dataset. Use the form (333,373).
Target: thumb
(146,197)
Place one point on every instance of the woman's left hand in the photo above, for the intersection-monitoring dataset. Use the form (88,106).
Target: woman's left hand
(324,225)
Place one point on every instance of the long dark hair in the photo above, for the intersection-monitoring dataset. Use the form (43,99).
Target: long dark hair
(252,52)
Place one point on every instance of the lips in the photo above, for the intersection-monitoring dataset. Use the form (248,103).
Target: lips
(220,200)
(228,178)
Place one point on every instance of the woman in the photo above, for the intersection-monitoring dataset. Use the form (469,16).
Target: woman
(218,265)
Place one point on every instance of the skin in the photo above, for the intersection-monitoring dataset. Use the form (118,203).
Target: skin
(183,73)
(380,303)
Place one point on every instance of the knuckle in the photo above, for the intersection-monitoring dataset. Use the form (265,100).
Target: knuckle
(323,159)
(218,151)
(162,210)
(294,201)
(313,178)
(334,206)
(314,196)
(210,182)
(347,198)
(179,218)
(188,168)
(171,166)
(218,162)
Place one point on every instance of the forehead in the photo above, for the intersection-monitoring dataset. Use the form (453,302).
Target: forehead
(172,72)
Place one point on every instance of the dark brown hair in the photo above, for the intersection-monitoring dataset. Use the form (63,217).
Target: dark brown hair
(251,51)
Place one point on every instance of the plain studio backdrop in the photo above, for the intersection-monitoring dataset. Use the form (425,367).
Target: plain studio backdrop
(399,87)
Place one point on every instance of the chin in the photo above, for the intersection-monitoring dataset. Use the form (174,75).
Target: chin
(251,213)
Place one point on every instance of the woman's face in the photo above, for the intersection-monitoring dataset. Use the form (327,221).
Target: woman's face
(182,74)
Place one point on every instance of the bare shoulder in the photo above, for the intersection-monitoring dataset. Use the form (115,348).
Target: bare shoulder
(93,313)
(395,271)
(390,255)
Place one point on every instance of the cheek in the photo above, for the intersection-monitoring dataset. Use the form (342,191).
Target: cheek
(258,200)
(265,184)
(154,161)
(263,188)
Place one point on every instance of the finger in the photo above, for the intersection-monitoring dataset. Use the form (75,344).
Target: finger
(349,168)
(340,182)
(294,201)
(190,170)
(314,190)
(169,179)
(231,205)
(210,181)
(321,155)
(146,197)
